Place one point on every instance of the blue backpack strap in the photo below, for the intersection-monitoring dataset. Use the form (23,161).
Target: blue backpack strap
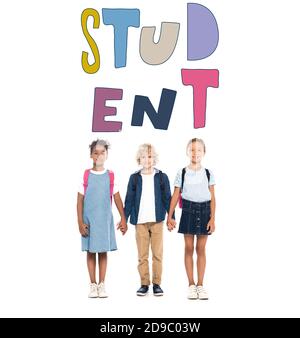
(161,181)
(207,175)
(135,178)
(182,178)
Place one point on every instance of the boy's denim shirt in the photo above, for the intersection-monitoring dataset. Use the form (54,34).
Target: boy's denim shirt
(133,197)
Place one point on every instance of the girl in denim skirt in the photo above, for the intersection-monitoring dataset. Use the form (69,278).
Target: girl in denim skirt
(194,189)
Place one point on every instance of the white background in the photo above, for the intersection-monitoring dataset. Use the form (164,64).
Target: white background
(252,147)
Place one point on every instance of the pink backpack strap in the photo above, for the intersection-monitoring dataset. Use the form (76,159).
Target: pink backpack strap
(111,183)
(85,179)
(180,200)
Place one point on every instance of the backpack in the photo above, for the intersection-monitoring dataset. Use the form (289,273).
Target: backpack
(182,181)
(162,186)
(111,180)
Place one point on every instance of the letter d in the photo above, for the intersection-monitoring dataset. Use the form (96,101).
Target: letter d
(203,33)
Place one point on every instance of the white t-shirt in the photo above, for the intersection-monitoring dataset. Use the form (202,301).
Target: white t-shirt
(147,204)
(116,185)
(196,185)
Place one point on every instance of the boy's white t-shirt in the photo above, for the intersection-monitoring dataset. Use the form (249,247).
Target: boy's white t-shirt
(147,203)
(116,184)
(196,185)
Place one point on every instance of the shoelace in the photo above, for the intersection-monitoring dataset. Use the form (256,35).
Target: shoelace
(101,287)
(93,287)
(201,289)
(193,289)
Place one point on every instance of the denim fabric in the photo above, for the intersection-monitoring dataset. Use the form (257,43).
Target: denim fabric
(98,215)
(133,197)
(194,218)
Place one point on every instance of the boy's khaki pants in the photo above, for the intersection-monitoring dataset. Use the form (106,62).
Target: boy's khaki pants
(150,234)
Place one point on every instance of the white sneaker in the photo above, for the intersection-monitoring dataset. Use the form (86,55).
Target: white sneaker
(101,291)
(93,290)
(202,293)
(192,292)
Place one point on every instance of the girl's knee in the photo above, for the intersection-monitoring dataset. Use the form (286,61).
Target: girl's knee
(200,250)
(189,250)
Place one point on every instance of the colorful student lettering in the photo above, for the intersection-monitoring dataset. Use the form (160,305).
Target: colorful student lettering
(202,41)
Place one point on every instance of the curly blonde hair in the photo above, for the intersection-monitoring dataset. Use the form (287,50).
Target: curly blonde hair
(146,148)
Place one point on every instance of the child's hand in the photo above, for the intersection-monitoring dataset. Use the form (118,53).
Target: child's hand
(211,226)
(171,223)
(84,229)
(122,226)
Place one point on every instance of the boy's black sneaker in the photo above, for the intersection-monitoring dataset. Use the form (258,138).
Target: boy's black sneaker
(157,290)
(143,290)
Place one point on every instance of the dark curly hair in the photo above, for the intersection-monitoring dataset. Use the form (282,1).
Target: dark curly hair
(98,142)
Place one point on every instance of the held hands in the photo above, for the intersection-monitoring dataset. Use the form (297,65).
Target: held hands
(211,226)
(83,229)
(171,223)
(122,226)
